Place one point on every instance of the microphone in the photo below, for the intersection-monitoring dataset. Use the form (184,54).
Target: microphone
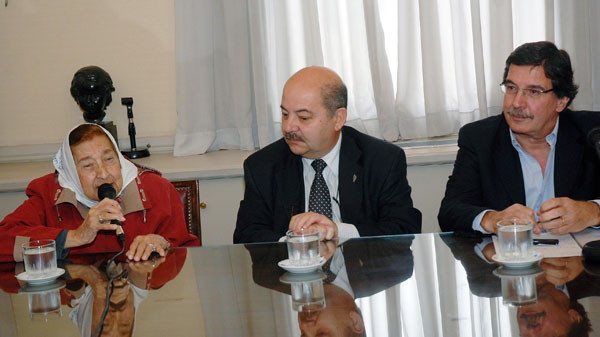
(134,153)
(593,138)
(108,191)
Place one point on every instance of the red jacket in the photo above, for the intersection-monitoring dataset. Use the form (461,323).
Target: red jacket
(150,204)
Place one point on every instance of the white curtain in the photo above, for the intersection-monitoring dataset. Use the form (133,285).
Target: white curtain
(414,68)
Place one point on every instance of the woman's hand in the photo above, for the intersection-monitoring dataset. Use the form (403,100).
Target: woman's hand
(143,245)
(97,219)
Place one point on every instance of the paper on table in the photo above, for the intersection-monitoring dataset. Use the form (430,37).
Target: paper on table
(567,246)
(586,236)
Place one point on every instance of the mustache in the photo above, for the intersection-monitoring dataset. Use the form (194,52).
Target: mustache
(533,320)
(293,136)
(519,113)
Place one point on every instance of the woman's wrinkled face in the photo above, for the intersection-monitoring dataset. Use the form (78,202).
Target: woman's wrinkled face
(97,163)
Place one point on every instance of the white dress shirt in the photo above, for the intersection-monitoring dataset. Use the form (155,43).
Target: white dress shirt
(331,176)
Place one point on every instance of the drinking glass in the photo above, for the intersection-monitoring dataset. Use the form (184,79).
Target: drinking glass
(515,239)
(39,257)
(303,247)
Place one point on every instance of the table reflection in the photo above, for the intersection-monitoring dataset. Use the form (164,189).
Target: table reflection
(423,285)
(306,290)
(88,298)
(43,300)
(518,285)
(354,269)
(554,313)
(85,285)
(546,295)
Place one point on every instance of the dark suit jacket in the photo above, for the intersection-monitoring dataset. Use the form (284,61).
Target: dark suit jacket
(372,265)
(487,172)
(374,193)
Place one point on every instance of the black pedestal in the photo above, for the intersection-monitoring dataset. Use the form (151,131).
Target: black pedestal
(137,153)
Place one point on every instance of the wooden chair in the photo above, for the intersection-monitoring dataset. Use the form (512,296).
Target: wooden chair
(189,194)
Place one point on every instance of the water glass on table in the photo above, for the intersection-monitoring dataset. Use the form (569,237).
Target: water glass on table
(39,257)
(515,239)
(303,247)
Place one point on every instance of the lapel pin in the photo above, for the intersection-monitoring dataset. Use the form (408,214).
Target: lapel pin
(354,178)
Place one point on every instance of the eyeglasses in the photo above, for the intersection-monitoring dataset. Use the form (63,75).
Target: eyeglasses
(512,90)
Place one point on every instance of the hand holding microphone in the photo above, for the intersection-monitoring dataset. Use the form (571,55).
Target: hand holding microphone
(106,215)
(108,191)
(143,245)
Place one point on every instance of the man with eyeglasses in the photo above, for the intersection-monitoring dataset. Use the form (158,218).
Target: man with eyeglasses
(531,161)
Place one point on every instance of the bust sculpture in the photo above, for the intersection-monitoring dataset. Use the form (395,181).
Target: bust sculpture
(91,88)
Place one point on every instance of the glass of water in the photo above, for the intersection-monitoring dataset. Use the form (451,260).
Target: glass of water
(39,257)
(515,239)
(303,247)
(44,305)
(519,290)
(308,296)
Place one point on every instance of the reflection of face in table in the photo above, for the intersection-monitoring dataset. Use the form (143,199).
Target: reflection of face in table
(121,313)
(340,317)
(554,311)
(368,264)
(554,314)
(128,291)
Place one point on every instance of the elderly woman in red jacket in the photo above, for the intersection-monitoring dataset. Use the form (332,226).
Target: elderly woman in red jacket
(64,205)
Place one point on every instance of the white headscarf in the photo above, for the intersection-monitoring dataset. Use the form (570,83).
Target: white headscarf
(67,172)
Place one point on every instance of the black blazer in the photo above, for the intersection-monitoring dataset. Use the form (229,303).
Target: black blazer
(487,172)
(374,193)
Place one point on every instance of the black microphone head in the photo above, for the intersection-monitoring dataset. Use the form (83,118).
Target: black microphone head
(127,100)
(106,191)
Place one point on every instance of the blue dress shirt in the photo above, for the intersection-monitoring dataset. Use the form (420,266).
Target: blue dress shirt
(539,186)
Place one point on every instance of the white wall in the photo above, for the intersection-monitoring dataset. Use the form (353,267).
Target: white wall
(428,184)
(43,43)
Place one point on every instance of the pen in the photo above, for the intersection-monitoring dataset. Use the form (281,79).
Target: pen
(548,242)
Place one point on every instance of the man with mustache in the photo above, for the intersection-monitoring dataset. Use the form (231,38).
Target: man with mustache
(323,175)
(555,313)
(531,161)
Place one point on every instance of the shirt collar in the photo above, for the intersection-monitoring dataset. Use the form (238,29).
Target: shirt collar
(332,158)
(130,199)
(550,138)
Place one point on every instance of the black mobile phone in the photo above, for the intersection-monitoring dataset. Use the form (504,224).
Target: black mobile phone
(548,242)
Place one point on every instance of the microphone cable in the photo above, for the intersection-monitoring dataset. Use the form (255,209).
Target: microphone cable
(111,279)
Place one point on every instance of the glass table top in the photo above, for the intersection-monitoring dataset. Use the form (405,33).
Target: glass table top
(409,285)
